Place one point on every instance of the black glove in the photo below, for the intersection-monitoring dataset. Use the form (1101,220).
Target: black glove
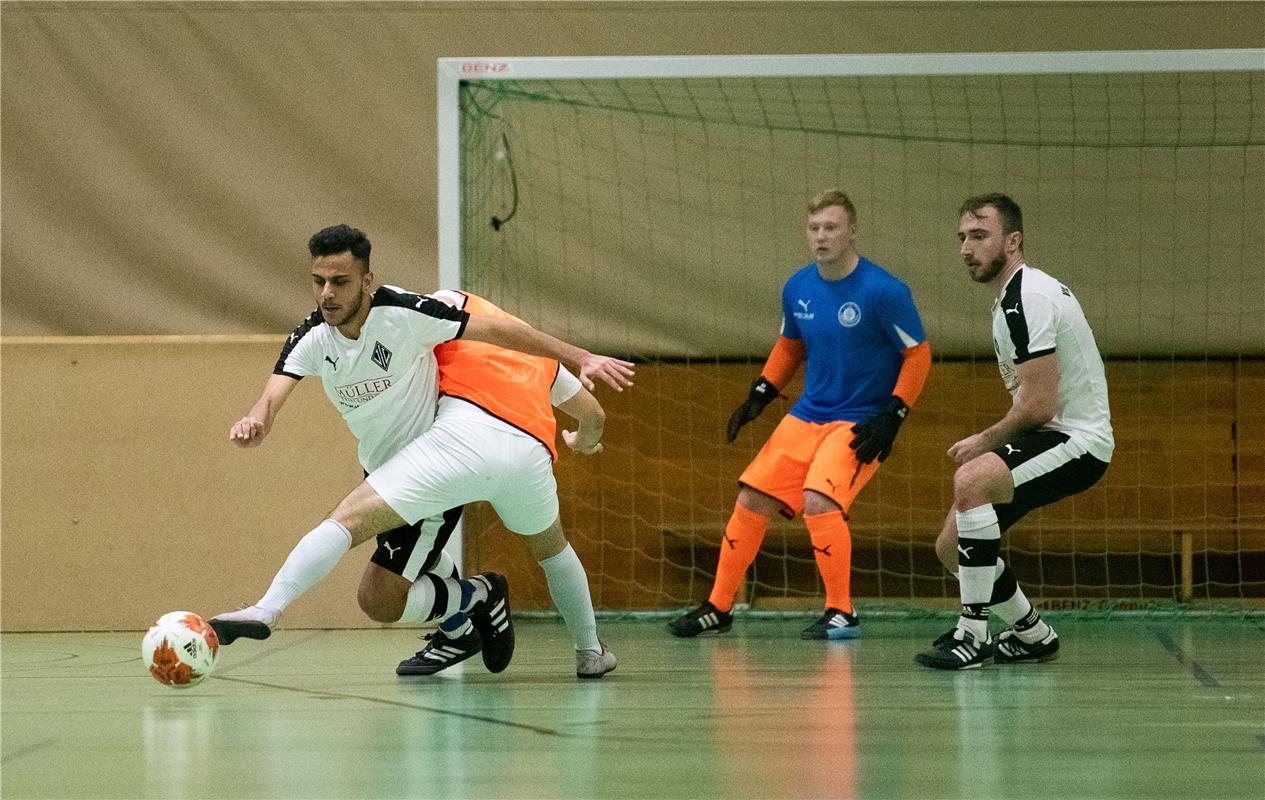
(762,393)
(874,436)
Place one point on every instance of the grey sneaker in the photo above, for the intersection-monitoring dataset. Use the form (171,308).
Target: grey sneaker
(594,663)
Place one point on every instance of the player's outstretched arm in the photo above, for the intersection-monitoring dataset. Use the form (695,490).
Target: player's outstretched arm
(591,422)
(1036,403)
(514,335)
(250,430)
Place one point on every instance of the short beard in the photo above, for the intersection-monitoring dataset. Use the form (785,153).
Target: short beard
(348,314)
(994,269)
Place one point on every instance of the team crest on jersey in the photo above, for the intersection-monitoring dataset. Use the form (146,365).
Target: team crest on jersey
(849,314)
(381,356)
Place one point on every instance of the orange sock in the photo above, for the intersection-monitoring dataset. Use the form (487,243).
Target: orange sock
(832,546)
(738,549)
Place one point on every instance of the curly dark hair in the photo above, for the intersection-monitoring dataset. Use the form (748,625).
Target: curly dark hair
(340,239)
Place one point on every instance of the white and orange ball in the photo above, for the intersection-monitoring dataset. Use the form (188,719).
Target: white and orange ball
(181,650)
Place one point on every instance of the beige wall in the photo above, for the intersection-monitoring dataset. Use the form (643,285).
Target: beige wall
(123,499)
(163,164)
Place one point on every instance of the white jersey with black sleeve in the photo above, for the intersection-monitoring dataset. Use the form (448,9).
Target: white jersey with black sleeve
(1036,315)
(383,383)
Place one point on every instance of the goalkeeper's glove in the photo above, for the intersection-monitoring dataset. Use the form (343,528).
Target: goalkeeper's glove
(762,393)
(875,435)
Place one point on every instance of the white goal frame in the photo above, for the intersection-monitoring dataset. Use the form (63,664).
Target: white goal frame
(450,72)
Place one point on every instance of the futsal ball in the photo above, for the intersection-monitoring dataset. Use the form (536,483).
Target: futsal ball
(181,650)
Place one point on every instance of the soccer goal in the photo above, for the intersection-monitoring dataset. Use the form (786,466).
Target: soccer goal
(653,207)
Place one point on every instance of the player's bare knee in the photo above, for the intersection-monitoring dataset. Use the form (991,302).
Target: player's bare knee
(546,544)
(965,488)
(978,481)
(818,503)
(758,502)
(365,514)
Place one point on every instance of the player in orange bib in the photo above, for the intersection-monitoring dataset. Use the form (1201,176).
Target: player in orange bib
(855,327)
(514,387)
(502,402)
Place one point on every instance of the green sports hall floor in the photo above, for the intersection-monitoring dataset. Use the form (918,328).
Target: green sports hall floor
(1136,707)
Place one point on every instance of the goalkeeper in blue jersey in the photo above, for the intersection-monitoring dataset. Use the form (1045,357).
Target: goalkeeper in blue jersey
(856,327)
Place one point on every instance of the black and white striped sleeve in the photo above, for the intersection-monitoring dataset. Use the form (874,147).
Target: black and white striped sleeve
(434,323)
(293,361)
(1030,319)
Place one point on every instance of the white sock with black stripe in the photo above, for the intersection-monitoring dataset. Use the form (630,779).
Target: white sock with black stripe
(458,624)
(432,597)
(979,539)
(1016,610)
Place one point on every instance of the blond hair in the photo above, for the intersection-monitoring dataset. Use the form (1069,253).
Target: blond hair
(833,197)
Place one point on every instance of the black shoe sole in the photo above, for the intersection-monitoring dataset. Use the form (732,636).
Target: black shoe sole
(691,635)
(229,631)
(592,676)
(1041,659)
(950,666)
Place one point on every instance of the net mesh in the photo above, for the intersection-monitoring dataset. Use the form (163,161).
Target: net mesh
(658,218)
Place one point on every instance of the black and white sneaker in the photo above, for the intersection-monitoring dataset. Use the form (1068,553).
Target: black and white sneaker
(491,618)
(1013,650)
(834,624)
(704,619)
(440,653)
(250,622)
(957,649)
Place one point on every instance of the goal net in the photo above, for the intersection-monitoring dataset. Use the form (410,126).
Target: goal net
(654,207)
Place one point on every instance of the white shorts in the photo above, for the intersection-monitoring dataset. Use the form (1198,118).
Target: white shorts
(466,456)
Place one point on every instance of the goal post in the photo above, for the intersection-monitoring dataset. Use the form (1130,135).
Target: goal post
(653,206)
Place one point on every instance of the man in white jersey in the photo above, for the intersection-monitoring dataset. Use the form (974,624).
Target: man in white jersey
(373,348)
(1054,442)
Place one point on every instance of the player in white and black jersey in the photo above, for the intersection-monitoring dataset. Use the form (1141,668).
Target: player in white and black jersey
(1055,441)
(383,383)
(374,351)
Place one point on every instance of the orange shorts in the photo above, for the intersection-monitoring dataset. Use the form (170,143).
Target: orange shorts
(808,455)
